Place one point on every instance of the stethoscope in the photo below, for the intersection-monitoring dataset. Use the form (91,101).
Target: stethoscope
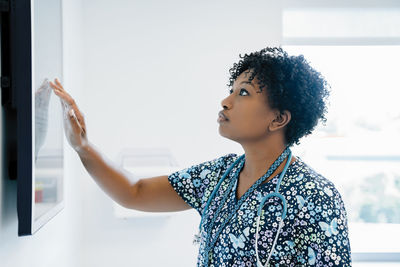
(260,208)
(281,223)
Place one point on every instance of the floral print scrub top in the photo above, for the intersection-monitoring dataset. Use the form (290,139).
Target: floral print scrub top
(315,231)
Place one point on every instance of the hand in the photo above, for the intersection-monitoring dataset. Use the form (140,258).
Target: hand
(74,123)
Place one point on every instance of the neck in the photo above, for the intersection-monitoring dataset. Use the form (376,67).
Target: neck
(260,155)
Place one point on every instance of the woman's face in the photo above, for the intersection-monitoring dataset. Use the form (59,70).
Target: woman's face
(247,111)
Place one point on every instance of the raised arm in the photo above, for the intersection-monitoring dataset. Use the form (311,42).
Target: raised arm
(149,194)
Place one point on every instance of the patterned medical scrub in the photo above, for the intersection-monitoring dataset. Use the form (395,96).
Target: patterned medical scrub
(315,232)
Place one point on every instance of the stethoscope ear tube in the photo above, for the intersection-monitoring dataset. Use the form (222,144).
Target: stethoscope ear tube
(216,189)
(281,222)
(273,195)
(276,194)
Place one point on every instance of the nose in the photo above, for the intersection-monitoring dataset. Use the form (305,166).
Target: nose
(225,103)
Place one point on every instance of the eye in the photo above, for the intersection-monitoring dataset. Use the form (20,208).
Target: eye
(244,90)
(241,90)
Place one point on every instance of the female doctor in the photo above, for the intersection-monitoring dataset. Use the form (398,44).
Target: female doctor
(266,207)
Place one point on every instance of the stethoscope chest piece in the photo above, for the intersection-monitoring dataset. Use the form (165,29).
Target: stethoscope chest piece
(281,222)
(208,247)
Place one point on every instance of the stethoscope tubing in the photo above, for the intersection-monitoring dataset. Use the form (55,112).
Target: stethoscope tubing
(262,203)
(284,209)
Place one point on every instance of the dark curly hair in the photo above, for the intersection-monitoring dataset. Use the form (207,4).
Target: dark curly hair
(292,84)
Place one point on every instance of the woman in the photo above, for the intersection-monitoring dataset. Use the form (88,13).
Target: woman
(265,207)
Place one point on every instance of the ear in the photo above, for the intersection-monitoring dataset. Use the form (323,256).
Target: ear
(281,120)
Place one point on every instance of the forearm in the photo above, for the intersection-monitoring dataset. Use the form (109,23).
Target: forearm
(112,180)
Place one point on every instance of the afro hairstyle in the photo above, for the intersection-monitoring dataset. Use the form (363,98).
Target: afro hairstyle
(291,84)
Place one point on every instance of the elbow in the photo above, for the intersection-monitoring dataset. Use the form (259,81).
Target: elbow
(131,200)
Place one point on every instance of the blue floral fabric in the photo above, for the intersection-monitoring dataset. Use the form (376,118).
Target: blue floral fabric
(315,231)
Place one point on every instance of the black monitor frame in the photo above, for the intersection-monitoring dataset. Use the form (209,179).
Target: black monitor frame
(17,103)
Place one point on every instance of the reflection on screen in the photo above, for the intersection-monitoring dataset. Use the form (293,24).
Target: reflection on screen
(47,58)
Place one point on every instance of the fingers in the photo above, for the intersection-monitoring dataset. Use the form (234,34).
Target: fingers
(58,83)
(68,100)
(61,93)
(58,88)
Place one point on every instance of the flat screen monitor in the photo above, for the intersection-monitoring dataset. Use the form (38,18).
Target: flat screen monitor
(34,114)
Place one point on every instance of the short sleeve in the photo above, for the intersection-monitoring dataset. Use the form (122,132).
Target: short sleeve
(321,229)
(195,183)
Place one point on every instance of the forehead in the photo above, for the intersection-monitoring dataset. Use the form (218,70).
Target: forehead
(245,77)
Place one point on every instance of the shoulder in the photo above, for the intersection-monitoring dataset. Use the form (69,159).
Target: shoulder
(311,183)
(321,223)
(319,197)
(223,161)
(206,169)
(314,194)
(220,162)
(195,183)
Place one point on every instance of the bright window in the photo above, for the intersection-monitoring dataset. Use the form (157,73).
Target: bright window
(341,22)
(359,147)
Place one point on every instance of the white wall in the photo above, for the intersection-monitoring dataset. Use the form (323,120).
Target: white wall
(58,243)
(155,75)
(145,74)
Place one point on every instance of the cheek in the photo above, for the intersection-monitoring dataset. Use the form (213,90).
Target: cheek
(246,126)
(256,124)
(253,121)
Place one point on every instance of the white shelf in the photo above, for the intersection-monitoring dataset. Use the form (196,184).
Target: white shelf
(145,163)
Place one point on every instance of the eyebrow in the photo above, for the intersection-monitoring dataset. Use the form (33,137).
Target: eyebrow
(248,83)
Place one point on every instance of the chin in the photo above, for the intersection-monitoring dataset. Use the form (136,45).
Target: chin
(223,134)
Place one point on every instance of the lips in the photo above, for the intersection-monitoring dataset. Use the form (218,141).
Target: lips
(221,114)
